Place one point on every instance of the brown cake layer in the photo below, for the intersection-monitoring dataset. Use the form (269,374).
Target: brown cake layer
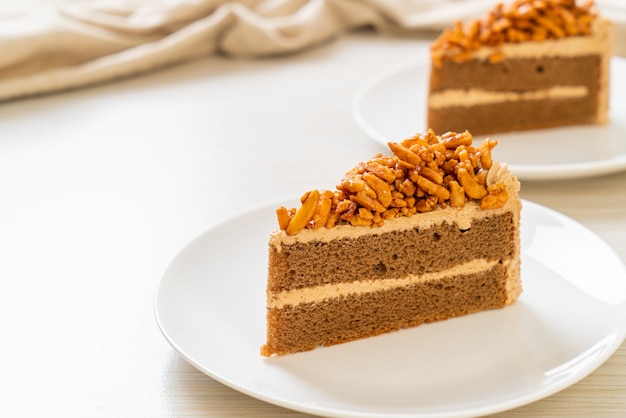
(350,317)
(390,255)
(517,76)
(520,115)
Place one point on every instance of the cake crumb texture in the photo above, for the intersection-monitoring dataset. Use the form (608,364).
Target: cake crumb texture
(347,318)
(391,255)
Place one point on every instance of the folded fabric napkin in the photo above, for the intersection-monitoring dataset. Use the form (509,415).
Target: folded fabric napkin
(91,41)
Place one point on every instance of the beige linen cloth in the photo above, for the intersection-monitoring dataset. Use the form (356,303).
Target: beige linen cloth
(80,43)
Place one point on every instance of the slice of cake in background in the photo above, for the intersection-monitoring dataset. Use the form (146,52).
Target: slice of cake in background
(428,233)
(527,65)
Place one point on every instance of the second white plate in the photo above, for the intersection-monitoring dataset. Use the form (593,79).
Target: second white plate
(393,107)
(210,306)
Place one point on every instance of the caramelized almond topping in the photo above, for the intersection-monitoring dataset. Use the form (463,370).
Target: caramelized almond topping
(423,173)
(520,21)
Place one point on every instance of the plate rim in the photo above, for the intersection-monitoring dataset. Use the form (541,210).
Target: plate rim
(619,334)
(527,172)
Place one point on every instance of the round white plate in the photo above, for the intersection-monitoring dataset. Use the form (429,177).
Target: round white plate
(393,107)
(210,306)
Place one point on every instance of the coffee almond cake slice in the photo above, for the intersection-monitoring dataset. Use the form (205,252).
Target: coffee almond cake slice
(427,233)
(525,65)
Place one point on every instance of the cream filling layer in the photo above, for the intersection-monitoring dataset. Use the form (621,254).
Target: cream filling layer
(334,290)
(474,97)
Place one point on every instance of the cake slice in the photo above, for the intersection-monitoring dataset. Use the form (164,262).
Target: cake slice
(527,65)
(427,233)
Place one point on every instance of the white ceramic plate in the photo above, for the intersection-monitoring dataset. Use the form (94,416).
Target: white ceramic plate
(393,107)
(210,306)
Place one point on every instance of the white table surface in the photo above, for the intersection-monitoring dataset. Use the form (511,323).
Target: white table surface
(102,187)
